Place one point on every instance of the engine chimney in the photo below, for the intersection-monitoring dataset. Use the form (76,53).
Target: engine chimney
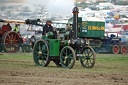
(75,21)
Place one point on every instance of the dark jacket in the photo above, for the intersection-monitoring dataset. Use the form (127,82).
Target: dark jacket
(47,29)
(21,40)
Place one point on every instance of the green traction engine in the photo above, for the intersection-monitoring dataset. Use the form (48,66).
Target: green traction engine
(64,49)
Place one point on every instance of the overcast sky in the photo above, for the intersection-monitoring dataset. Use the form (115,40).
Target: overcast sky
(63,7)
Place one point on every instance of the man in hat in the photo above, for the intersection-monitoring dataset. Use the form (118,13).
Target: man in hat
(47,27)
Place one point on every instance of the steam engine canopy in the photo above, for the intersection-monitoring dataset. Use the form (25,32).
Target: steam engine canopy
(34,22)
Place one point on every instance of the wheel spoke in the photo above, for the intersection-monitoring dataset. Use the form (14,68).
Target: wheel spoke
(45,54)
(70,54)
(91,58)
(83,60)
(86,62)
(8,37)
(14,42)
(7,43)
(66,52)
(14,48)
(43,44)
(91,55)
(38,57)
(90,61)
(70,57)
(88,52)
(11,36)
(63,58)
(14,38)
(39,46)
(17,41)
(43,61)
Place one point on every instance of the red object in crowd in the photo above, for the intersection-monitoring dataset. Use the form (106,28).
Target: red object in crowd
(24,39)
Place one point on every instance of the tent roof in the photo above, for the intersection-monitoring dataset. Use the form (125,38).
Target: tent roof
(95,19)
(114,30)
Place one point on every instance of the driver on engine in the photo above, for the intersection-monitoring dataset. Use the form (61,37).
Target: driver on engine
(47,27)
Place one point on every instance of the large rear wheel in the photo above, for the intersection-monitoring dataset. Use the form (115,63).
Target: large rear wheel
(89,57)
(41,53)
(10,41)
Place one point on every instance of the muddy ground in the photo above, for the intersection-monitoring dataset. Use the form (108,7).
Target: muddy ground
(23,71)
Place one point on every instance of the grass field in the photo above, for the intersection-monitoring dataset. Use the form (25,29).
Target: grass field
(19,69)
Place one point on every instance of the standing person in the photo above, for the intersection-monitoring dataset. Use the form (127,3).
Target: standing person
(16,28)
(21,43)
(47,27)
(68,28)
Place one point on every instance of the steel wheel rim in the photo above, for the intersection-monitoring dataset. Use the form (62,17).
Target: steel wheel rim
(88,59)
(67,57)
(11,41)
(116,49)
(41,53)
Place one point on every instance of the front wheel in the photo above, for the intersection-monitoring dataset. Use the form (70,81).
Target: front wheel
(67,57)
(89,57)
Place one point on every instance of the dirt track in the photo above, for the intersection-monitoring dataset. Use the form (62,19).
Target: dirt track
(59,78)
(24,72)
